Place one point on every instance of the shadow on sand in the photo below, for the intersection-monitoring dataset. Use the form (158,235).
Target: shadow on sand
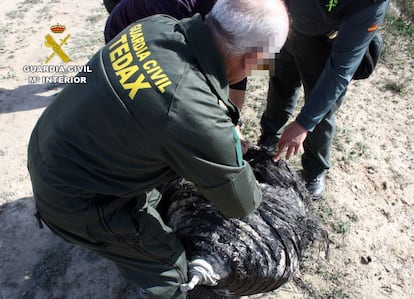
(35,263)
(27,97)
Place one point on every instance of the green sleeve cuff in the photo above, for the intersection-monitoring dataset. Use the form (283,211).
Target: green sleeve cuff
(237,198)
(305,122)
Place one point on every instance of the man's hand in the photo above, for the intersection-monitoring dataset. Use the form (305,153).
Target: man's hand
(291,140)
(244,143)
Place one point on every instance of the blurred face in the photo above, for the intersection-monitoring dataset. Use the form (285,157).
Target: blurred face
(242,66)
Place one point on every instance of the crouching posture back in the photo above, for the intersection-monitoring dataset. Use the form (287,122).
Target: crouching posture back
(155,108)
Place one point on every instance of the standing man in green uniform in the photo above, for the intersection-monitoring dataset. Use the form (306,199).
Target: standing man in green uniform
(154,108)
(326,45)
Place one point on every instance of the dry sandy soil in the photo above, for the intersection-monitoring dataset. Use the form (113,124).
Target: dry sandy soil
(368,208)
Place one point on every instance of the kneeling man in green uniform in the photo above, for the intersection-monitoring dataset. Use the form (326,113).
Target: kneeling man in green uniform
(155,108)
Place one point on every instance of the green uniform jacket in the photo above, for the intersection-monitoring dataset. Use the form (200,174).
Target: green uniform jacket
(154,108)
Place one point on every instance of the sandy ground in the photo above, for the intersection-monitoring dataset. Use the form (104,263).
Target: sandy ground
(368,206)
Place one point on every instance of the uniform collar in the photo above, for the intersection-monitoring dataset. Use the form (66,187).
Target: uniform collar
(211,62)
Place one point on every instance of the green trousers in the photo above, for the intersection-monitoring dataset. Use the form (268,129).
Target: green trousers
(128,231)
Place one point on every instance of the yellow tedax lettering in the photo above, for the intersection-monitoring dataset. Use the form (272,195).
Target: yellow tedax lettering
(134,87)
(120,49)
(122,63)
(126,73)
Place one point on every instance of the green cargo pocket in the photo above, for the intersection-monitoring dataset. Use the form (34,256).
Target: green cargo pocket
(110,219)
(155,237)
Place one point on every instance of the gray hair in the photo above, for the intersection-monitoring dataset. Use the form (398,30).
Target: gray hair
(247,26)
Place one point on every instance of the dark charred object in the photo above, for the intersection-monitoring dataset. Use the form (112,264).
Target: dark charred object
(260,252)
